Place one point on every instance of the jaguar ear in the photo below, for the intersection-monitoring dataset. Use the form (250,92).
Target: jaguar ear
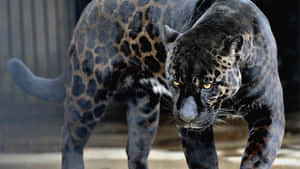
(236,44)
(169,34)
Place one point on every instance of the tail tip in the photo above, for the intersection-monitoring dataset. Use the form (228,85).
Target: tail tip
(13,65)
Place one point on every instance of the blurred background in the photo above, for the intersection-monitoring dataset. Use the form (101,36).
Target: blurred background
(38,32)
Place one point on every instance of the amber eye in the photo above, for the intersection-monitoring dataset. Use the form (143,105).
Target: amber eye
(175,83)
(206,86)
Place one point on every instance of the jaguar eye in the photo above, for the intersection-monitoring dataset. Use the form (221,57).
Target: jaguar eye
(175,83)
(206,86)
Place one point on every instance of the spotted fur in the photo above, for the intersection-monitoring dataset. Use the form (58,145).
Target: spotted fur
(119,57)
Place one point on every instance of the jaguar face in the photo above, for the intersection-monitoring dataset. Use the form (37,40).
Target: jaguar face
(202,71)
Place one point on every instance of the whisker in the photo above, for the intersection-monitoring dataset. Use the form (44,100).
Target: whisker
(220,121)
(171,120)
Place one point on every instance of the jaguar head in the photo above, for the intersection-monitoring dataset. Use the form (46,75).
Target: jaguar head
(202,70)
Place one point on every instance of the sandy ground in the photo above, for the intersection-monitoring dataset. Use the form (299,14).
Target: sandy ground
(115,158)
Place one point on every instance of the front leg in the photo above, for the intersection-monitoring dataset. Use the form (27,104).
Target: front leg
(266,130)
(142,118)
(199,148)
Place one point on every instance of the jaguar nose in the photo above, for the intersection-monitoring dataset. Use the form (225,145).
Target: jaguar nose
(188,111)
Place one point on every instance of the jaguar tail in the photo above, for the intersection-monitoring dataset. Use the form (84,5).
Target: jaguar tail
(43,88)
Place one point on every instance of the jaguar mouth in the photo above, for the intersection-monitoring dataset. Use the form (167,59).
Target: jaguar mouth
(198,126)
(192,126)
